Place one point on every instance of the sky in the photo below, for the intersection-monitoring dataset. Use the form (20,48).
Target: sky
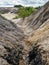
(11,3)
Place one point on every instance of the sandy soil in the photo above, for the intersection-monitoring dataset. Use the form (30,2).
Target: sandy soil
(9,16)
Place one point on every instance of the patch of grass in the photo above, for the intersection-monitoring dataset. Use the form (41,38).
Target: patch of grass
(16,17)
(2,12)
(25,11)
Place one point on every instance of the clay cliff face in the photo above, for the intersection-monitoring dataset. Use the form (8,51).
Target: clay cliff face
(40,46)
(34,21)
(11,38)
(28,45)
(39,39)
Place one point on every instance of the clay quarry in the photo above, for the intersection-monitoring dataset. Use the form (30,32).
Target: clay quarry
(24,41)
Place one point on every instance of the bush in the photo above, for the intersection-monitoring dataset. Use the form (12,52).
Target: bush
(25,11)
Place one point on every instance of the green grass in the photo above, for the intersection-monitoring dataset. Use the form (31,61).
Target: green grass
(25,12)
(2,12)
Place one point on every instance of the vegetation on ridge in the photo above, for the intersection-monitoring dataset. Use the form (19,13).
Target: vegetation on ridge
(18,6)
(25,11)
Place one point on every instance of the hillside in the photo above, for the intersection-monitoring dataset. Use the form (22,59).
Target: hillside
(39,40)
(8,9)
(34,21)
(27,41)
(11,38)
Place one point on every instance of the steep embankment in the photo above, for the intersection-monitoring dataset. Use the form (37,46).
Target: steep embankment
(39,46)
(31,48)
(39,40)
(11,38)
(34,21)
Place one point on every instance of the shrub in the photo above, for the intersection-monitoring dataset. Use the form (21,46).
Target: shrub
(25,11)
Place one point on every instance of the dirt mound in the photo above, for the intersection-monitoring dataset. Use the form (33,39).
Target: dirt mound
(39,40)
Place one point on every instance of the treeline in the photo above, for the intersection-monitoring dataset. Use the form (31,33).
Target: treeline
(18,6)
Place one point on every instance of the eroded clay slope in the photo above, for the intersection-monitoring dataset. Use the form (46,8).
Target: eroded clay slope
(39,46)
(11,38)
(31,48)
(34,21)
